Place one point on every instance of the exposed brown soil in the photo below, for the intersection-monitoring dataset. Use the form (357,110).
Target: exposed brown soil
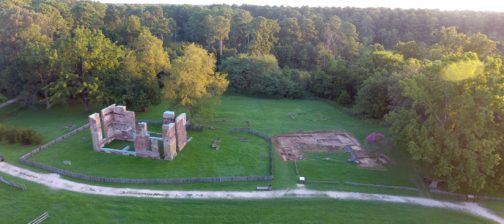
(291,146)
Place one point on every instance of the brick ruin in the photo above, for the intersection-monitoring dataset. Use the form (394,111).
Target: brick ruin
(116,123)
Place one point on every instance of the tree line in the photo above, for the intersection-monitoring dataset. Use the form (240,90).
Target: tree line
(435,77)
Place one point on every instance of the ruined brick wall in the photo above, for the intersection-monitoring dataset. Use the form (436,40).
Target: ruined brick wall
(96,131)
(168,117)
(142,142)
(154,149)
(145,146)
(118,123)
(180,126)
(169,141)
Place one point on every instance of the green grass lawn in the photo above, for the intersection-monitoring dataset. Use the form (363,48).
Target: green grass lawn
(335,166)
(66,207)
(49,123)
(234,158)
(197,159)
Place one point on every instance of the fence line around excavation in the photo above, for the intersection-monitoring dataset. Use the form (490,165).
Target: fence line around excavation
(363,184)
(24,160)
(266,138)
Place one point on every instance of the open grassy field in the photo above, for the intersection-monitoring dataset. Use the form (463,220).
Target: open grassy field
(49,123)
(65,207)
(234,158)
(270,116)
(335,166)
(196,160)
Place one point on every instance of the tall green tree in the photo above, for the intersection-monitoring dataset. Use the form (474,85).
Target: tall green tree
(158,24)
(451,41)
(450,127)
(87,57)
(260,75)
(290,31)
(372,99)
(15,17)
(411,49)
(262,35)
(340,37)
(89,14)
(219,28)
(58,14)
(308,30)
(239,34)
(37,63)
(141,67)
(148,57)
(131,28)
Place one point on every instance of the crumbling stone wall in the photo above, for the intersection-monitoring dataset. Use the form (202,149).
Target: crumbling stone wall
(168,117)
(169,141)
(142,140)
(180,126)
(119,124)
(146,146)
(96,131)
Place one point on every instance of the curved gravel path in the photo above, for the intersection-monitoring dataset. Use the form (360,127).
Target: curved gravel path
(56,182)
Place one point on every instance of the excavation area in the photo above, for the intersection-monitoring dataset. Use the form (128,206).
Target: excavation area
(291,146)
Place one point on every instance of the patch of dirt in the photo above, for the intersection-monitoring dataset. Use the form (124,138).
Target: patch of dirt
(291,146)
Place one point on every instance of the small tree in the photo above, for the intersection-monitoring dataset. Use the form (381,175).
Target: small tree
(344,99)
(193,78)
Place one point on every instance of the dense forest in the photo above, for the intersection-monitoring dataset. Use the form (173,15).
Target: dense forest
(435,77)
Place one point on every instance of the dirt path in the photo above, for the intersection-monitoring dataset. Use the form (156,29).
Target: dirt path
(56,182)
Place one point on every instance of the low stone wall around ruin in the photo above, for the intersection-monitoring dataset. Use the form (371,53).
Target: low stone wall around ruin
(54,141)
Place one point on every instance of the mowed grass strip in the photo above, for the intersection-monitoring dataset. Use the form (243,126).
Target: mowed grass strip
(49,123)
(67,207)
(335,166)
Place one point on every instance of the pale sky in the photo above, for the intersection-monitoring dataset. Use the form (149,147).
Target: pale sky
(475,5)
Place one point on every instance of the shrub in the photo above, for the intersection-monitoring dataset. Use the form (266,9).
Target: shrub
(12,135)
(261,76)
(15,135)
(344,99)
(29,137)
(3,131)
